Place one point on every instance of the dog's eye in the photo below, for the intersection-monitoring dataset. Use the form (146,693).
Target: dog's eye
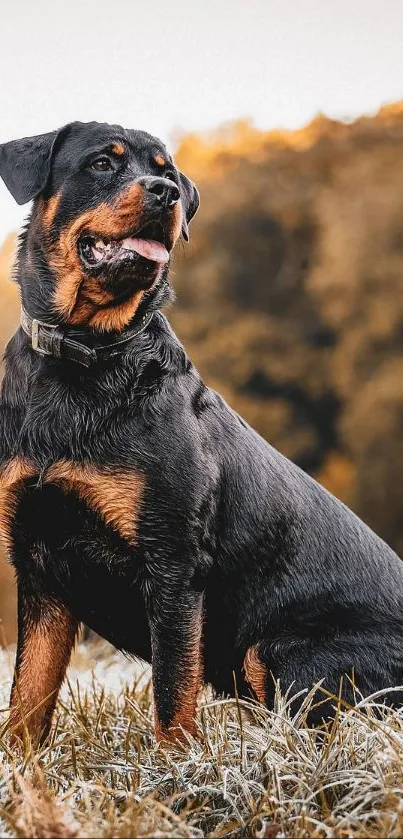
(101,164)
(170,175)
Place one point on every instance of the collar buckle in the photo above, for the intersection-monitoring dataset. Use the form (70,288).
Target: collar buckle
(35,336)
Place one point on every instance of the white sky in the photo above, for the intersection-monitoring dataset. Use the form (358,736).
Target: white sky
(176,65)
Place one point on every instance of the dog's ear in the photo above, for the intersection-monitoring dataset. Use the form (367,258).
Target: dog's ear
(190,200)
(25,164)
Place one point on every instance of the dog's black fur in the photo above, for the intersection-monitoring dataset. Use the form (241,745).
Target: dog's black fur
(225,559)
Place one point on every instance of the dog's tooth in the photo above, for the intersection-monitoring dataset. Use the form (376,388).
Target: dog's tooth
(97,254)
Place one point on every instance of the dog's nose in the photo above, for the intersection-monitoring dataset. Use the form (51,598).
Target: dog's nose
(165,191)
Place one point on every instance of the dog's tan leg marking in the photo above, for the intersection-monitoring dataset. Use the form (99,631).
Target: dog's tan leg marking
(43,653)
(256,674)
(184,717)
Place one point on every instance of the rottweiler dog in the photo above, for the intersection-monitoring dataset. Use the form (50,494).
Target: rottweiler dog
(132,498)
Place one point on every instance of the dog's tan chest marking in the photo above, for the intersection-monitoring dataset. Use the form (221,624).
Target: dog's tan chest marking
(13,475)
(115,495)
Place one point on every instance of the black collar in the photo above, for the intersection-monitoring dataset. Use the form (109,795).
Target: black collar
(65,343)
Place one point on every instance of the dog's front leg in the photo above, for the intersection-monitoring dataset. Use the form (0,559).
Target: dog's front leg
(46,634)
(176,621)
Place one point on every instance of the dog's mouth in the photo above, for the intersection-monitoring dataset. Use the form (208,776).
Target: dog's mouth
(148,244)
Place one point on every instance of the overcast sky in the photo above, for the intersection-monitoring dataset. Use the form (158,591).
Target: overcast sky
(177,66)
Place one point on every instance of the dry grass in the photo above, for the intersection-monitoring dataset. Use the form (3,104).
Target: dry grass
(252,773)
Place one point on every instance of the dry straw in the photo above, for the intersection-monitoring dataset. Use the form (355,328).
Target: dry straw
(253,772)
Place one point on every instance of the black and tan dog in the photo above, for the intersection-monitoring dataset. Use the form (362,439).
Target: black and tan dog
(132,498)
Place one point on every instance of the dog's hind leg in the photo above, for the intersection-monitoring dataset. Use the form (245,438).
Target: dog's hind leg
(347,670)
(46,634)
(262,672)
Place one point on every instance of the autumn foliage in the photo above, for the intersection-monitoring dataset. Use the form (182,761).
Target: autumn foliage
(290,297)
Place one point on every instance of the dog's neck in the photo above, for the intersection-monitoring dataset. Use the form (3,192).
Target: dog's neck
(53,394)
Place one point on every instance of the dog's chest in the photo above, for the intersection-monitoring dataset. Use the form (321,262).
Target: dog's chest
(113,495)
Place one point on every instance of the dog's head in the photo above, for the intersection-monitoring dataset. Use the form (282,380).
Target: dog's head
(109,206)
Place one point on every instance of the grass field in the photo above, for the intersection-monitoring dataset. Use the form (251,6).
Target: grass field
(251,773)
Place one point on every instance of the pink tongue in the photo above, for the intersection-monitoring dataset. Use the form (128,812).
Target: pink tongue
(147,248)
